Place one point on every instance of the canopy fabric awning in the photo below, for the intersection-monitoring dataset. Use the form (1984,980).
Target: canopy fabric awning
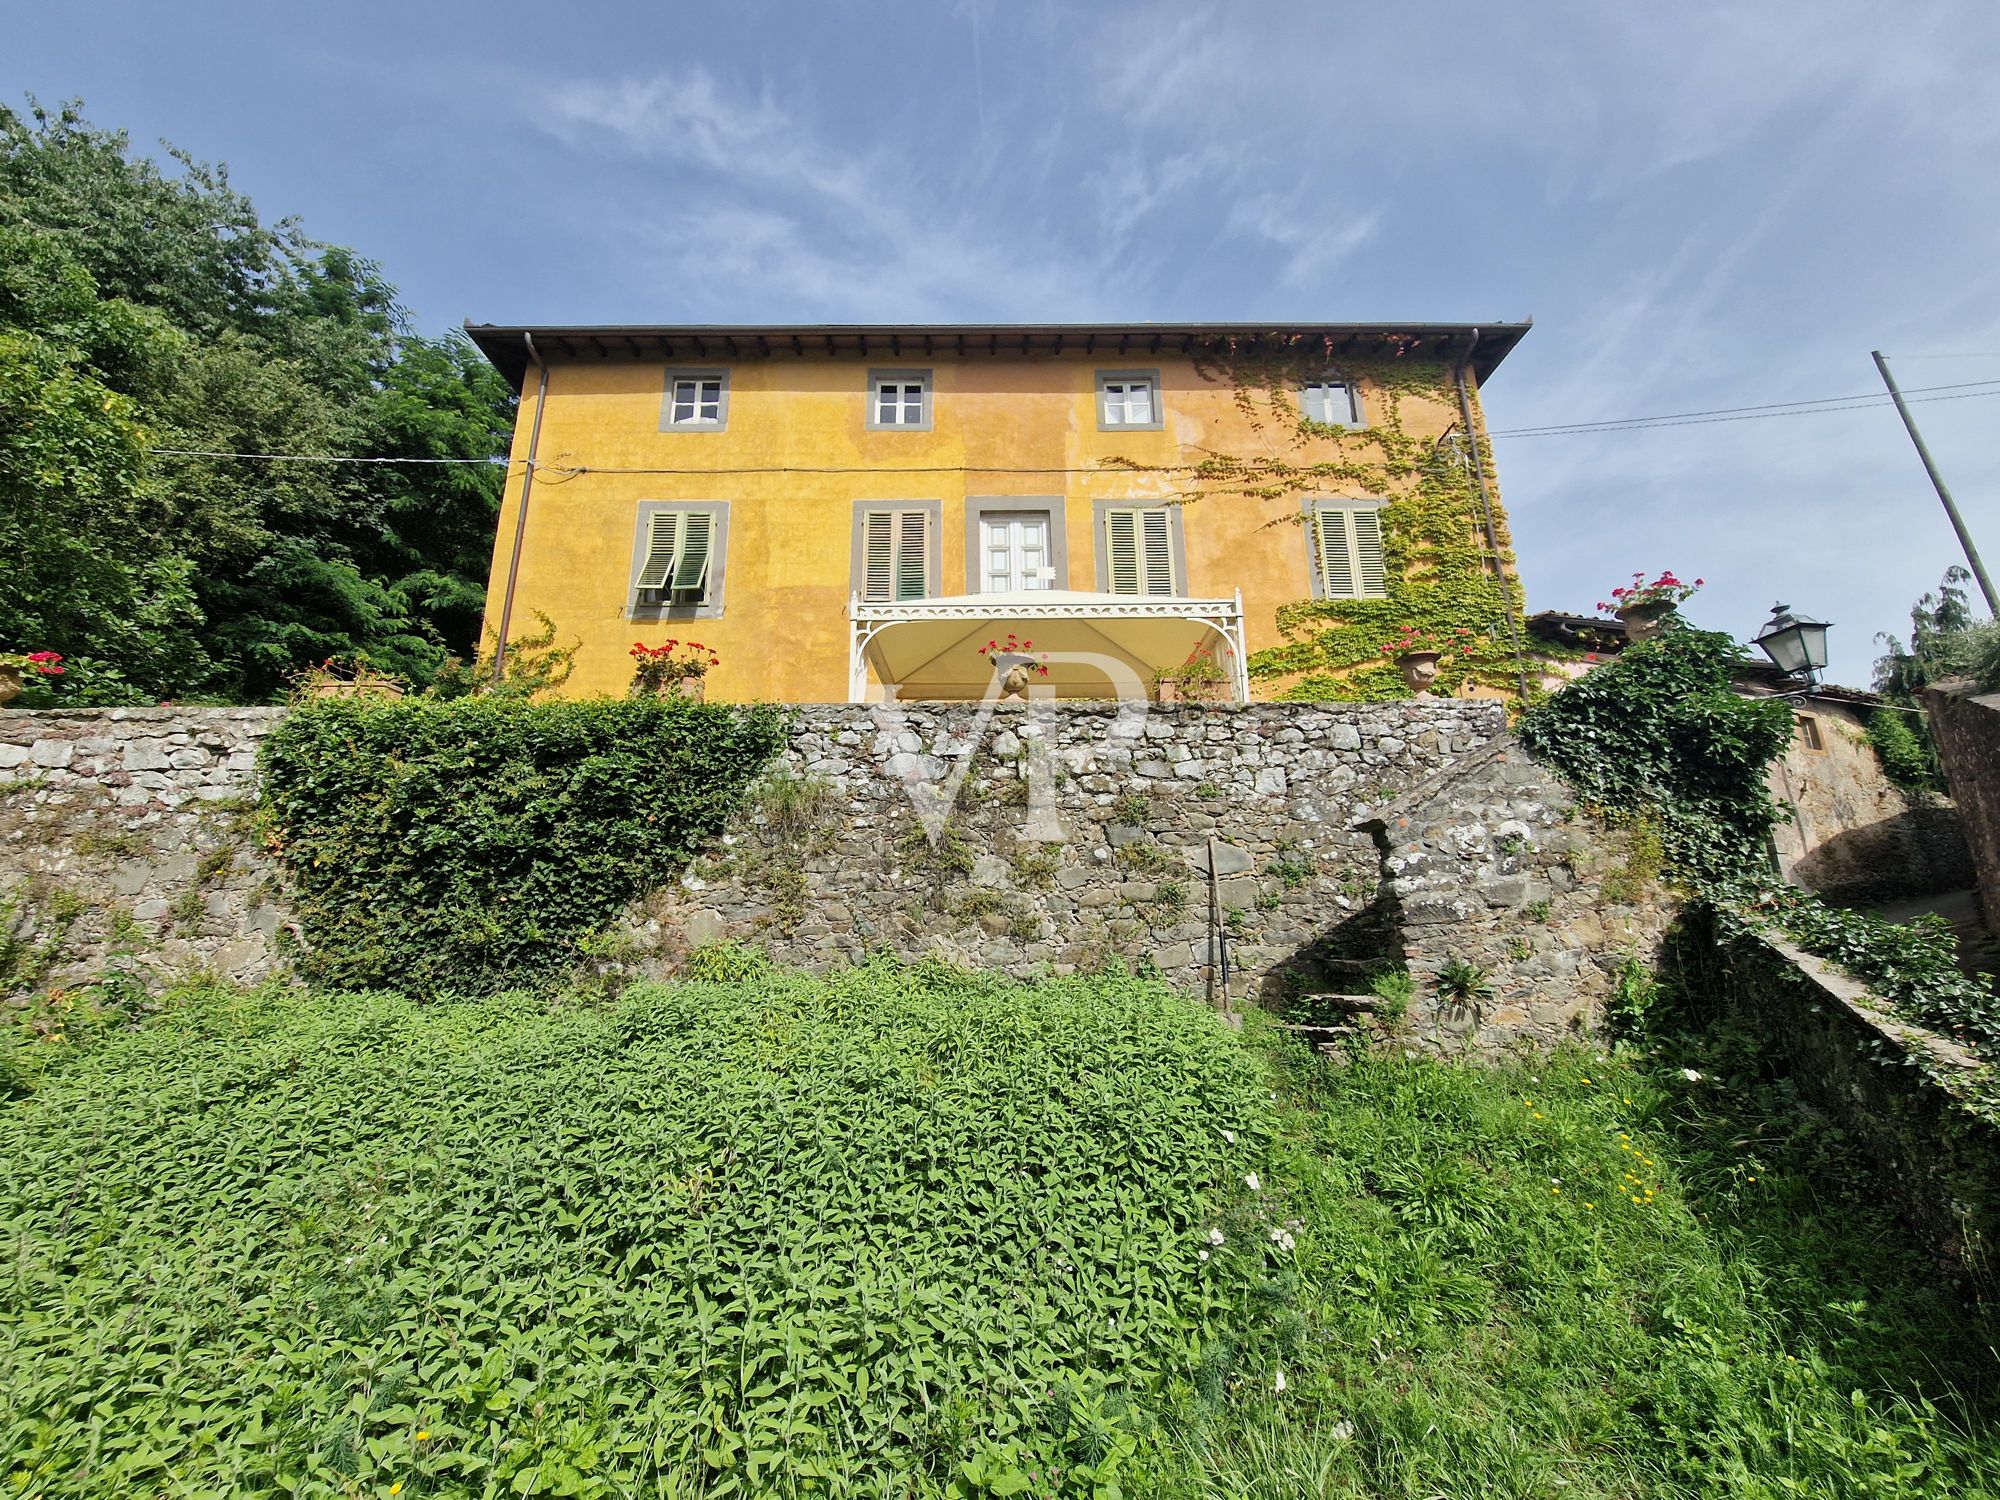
(1097,645)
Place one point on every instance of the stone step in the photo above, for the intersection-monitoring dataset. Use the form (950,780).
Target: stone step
(1352,1004)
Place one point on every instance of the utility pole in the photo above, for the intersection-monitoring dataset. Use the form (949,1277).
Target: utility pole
(1937,483)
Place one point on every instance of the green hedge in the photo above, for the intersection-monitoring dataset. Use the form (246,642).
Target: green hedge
(463,846)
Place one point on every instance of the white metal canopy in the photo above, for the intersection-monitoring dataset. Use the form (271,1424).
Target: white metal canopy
(1097,645)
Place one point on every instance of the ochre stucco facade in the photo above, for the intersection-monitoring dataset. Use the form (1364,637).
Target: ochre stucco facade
(796,453)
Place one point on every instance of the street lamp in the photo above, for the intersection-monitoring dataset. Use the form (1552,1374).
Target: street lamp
(1796,644)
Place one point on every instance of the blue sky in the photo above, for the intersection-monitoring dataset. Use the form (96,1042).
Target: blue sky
(1704,205)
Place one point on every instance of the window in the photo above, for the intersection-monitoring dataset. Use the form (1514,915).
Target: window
(677,560)
(1809,733)
(697,400)
(1141,550)
(1014,552)
(896,550)
(1334,402)
(1128,399)
(899,400)
(1347,551)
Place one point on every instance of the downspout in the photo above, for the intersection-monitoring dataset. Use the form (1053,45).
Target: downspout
(1485,511)
(521,518)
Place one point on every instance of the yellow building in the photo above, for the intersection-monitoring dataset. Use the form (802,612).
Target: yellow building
(842,511)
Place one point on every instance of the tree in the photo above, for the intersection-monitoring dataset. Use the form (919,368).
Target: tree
(144,310)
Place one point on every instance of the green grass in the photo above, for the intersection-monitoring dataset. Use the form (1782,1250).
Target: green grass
(902,1231)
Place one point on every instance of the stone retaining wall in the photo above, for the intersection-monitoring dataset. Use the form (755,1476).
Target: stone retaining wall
(125,843)
(1965,726)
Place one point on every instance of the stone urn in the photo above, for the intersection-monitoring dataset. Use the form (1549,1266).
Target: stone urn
(1643,621)
(10,684)
(694,689)
(1015,673)
(1420,671)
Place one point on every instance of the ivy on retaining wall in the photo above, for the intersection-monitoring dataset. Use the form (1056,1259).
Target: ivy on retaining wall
(465,846)
(1659,734)
(1441,572)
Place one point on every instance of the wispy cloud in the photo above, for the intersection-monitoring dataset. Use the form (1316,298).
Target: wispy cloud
(1312,242)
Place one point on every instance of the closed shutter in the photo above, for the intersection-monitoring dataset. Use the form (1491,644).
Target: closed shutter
(661,536)
(911,581)
(1158,550)
(895,555)
(696,547)
(1368,552)
(1348,544)
(1139,552)
(1336,566)
(878,556)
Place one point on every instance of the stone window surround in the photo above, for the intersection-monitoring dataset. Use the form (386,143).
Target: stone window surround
(1176,539)
(976,510)
(933,511)
(721,422)
(906,377)
(718,571)
(1310,507)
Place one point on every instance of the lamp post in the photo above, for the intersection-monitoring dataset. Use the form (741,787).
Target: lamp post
(1796,645)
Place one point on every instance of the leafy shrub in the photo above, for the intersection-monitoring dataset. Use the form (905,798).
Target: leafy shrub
(1394,989)
(460,846)
(856,1236)
(1661,729)
(1908,759)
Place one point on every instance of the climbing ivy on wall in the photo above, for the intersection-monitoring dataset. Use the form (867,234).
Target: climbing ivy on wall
(465,846)
(1442,573)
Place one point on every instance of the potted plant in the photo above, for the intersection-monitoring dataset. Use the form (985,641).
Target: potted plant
(346,678)
(15,665)
(1200,679)
(1418,652)
(672,669)
(1643,607)
(1012,661)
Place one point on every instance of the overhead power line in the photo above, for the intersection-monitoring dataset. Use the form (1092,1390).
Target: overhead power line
(1960,391)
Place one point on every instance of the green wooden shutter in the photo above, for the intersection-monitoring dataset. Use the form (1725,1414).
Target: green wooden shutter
(878,556)
(912,577)
(661,538)
(1336,566)
(1368,564)
(1121,549)
(694,552)
(1156,532)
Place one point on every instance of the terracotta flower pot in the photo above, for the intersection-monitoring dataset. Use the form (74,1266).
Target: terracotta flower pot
(1420,671)
(1643,621)
(367,689)
(694,689)
(1168,690)
(10,684)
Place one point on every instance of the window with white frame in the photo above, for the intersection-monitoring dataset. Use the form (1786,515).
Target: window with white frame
(1128,398)
(899,399)
(1014,552)
(1139,551)
(1331,401)
(680,556)
(1347,551)
(894,547)
(696,399)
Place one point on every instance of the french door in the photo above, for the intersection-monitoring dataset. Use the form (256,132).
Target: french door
(1014,548)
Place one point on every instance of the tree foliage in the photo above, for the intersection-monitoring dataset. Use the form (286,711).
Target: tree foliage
(145,308)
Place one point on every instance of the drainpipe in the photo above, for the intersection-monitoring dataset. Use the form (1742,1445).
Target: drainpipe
(1485,510)
(521,519)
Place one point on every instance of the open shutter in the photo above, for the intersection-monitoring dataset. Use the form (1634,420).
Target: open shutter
(1121,545)
(1156,535)
(661,538)
(911,579)
(697,536)
(1368,553)
(878,560)
(1336,567)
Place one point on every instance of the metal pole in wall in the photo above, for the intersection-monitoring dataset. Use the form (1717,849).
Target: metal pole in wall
(1214,928)
(1937,483)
